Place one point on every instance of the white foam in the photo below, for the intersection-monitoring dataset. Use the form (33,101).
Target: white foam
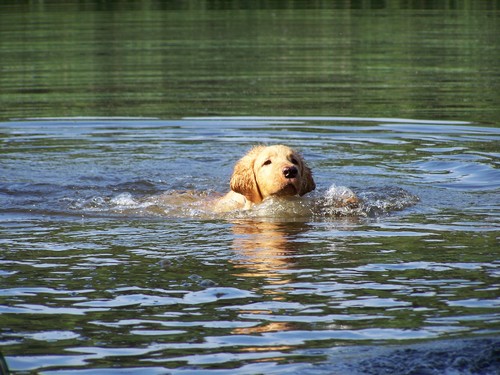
(124,200)
(339,193)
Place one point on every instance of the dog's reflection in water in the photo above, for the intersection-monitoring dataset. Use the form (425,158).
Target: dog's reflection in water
(265,248)
(270,251)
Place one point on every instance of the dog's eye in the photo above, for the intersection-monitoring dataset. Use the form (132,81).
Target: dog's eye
(295,161)
(267,162)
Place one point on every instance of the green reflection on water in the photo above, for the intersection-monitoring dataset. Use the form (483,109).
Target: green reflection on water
(193,58)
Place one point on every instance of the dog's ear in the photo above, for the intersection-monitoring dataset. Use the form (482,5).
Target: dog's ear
(308,183)
(243,179)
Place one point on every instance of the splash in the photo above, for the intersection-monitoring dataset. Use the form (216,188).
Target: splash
(340,201)
(337,201)
(368,202)
(382,200)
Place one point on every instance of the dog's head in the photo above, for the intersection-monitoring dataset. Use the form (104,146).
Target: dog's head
(271,171)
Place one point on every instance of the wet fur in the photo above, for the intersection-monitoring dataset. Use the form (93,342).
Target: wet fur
(260,174)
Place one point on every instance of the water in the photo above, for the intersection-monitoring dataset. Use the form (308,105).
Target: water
(95,278)
(437,60)
(120,121)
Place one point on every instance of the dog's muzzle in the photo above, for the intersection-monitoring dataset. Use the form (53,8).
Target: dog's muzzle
(290,172)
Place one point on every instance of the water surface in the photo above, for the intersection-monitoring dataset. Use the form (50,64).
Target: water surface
(94,279)
(110,109)
(427,60)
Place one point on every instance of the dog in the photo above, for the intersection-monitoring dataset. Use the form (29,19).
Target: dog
(266,171)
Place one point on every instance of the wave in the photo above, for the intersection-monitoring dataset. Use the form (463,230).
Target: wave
(335,202)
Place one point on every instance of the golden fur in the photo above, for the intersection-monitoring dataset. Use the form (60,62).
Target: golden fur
(267,171)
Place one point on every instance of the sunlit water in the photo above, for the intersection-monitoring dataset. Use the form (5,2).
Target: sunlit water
(110,259)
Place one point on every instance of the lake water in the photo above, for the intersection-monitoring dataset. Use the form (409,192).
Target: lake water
(120,120)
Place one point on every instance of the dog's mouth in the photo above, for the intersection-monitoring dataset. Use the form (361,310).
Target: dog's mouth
(288,190)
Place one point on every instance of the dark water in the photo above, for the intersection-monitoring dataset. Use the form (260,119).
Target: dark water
(95,277)
(410,59)
(110,109)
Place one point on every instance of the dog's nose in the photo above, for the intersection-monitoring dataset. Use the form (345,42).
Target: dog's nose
(290,172)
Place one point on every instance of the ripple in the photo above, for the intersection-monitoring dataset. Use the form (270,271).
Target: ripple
(45,310)
(51,336)
(475,303)
(103,223)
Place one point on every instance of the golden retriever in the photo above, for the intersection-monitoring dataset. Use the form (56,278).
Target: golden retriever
(266,171)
